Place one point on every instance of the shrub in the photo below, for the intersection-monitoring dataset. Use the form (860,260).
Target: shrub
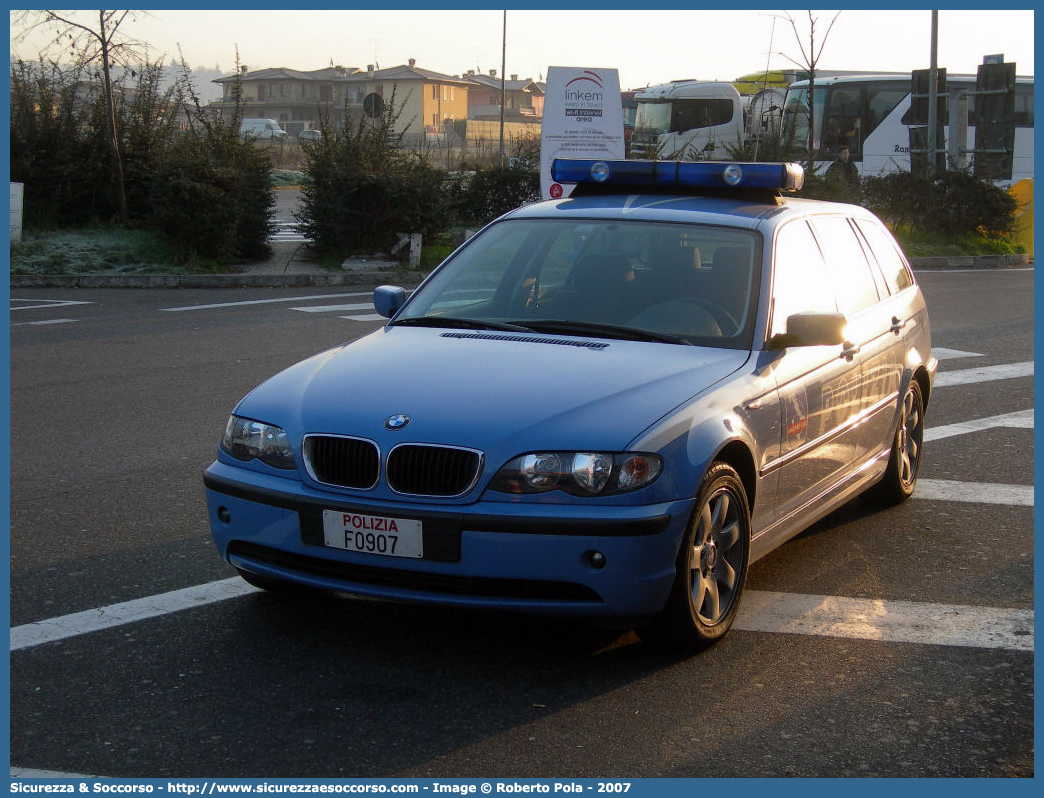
(953,204)
(487,193)
(64,172)
(363,188)
(205,189)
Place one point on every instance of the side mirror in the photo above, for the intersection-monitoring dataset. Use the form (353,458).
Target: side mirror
(387,299)
(812,329)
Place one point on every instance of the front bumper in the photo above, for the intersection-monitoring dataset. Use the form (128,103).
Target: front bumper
(505,555)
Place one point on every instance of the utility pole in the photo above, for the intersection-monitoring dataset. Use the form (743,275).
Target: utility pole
(931,140)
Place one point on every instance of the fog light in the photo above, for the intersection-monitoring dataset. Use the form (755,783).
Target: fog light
(224,516)
(597,559)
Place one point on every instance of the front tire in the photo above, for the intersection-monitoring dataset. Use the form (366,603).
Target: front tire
(711,567)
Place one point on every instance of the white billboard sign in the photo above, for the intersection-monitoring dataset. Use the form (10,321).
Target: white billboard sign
(583,118)
(16,212)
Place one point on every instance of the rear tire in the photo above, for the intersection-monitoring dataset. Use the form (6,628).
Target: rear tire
(904,462)
(711,567)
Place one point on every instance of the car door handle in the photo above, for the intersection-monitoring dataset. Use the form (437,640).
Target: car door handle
(849,350)
(897,326)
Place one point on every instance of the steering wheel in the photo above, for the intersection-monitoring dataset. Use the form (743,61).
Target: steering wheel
(729,326)
(682,317)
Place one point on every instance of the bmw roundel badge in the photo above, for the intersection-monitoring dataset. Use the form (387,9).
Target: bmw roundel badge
(398,421)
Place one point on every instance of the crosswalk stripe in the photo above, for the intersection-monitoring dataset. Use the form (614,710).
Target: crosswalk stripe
(984,374)
(1021,419)
(886,620)
(942,353)
(287,232)
(762,611)
(975,492)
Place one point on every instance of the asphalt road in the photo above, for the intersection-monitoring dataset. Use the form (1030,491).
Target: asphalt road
(117,402)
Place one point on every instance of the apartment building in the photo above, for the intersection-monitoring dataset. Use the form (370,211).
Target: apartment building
(430,101)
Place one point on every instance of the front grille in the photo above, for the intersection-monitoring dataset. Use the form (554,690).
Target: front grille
(440,584)
(420,470)
(344,462)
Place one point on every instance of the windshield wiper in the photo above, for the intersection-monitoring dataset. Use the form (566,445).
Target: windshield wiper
(458,323)
(566,327)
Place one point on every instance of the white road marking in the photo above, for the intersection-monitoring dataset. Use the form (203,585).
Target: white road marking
(262,302)
(29,773)
(287,231)
(43,323)
(886,620)
(80,623)
(371,317)
(789,613)
(1021,419)
(47,304)
(985,374)
(951,354)
(334,308)
(974,492)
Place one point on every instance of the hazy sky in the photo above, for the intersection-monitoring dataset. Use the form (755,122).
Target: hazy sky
(646,46)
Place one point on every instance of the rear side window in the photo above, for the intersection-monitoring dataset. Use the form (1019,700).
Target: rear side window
(801,283)
(896,273)
(850,271)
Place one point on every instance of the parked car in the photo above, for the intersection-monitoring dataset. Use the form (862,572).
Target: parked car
(310,134)
(605,406)
(261,129)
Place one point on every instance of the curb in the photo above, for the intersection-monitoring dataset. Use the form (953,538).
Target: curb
(405,278)
(973,262)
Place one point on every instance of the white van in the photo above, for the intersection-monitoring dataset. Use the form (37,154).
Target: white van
(261,129)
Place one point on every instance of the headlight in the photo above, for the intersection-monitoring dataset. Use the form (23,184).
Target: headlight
(251,440)
(578,473)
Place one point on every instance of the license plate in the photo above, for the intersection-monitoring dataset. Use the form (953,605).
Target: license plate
(373,534)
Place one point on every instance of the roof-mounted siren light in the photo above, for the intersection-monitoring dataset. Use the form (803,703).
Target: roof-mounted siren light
(679,174)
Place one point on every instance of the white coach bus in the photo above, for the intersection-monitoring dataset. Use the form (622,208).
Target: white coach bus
(870,113)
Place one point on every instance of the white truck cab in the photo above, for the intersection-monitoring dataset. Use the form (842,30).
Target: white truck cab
(688,119)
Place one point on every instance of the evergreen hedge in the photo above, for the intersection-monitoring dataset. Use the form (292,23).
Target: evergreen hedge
(203,188)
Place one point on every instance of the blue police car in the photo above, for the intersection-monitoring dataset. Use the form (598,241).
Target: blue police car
(605,406)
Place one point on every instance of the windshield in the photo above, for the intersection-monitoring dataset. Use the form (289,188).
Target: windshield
(674,283)
(796,118)
(653,117)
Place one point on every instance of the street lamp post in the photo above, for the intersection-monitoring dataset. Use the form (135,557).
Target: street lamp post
(503,89)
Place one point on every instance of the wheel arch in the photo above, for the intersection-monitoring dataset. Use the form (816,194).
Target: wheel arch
(736,454)
(925,383)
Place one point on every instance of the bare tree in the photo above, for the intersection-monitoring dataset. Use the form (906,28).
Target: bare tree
(810,56)
(87,41)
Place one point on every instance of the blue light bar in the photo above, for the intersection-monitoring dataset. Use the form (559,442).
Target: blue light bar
(679,174)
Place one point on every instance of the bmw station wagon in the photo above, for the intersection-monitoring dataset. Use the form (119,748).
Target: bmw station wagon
(605,406)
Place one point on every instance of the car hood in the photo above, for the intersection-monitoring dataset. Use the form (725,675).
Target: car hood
(489,390)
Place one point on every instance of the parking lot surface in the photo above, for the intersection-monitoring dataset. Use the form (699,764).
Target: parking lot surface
(896,643)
